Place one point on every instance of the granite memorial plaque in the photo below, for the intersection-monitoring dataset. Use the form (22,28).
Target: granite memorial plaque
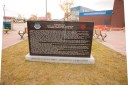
(60,38)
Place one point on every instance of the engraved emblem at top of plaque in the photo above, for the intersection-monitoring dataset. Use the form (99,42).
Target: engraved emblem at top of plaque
(83,26)
(37,26)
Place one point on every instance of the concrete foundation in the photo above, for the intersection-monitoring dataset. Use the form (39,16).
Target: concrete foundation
(60,59)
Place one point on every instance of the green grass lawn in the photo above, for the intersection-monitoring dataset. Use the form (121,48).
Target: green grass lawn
(109,68)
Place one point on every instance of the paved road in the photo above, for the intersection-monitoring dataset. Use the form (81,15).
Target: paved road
(13,37)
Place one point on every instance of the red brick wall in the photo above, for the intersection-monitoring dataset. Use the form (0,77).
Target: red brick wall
(98,20)
(118,14)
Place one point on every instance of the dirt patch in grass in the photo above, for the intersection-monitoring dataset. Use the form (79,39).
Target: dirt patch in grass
(109,68)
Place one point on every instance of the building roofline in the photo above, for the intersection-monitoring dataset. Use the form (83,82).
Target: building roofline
(81,6)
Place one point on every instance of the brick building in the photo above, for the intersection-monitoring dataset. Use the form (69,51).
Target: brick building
(98,17)
(117,20)
(112,18)
(75,12)
(8,18)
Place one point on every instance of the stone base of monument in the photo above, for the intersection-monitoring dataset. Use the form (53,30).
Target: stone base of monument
(60,59)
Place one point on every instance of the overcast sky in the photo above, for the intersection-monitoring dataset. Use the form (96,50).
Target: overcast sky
(38,7)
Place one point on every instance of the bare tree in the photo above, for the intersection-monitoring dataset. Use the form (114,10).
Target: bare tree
(49,16)
(33,17)
(65,6)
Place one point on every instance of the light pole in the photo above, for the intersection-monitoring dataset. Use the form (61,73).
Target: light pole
(4,11)
(4,19)
(46,9)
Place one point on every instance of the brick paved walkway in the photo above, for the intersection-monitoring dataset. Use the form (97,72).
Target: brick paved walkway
(13,37)
(115,40)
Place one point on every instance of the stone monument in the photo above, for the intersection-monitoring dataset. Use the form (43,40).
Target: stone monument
(60,41)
